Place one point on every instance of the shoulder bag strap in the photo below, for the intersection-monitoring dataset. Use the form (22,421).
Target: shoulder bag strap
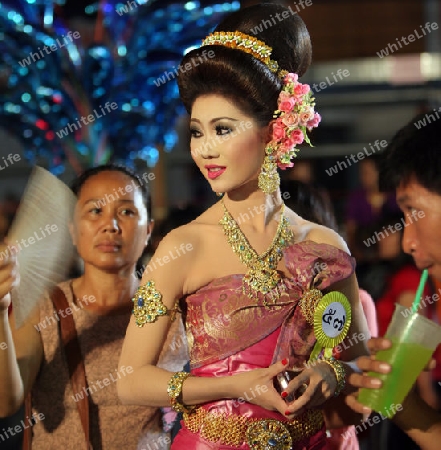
(74,359)
(27,433)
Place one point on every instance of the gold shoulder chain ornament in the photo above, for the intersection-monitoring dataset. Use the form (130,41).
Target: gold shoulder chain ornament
(262,275)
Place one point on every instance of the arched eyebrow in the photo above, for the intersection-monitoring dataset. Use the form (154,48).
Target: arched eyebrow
(216,119)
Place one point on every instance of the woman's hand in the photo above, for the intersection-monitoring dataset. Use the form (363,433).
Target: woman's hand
(257,387)
(315,385)
(9,276)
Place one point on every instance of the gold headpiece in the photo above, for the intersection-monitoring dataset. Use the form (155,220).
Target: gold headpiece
(246,43)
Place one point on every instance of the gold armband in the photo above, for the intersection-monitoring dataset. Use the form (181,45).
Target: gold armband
(148,304)
(339,372)
(174,391)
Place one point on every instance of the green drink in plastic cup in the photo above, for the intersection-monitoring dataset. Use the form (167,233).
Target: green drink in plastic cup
(414,339)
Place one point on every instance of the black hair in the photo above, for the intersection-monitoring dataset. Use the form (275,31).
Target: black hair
(240,77)
(177,217)
(78,183)
(414,152)
(309,203)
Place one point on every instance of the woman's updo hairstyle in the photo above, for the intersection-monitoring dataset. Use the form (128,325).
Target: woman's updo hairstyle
(237,75)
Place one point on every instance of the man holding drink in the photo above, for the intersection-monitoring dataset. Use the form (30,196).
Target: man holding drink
(412,166)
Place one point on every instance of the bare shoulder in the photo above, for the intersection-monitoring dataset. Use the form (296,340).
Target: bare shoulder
(305,230)
(183,239)
(324,235)
(177,255)
(176,249)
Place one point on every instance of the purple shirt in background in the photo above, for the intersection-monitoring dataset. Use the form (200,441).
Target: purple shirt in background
(360,211)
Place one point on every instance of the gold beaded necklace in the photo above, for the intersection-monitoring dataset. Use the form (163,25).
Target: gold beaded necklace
(262,275)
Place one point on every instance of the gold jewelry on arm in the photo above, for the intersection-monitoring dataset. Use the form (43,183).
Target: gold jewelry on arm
(339,372)
(148,305)
(174,391)
(176,310)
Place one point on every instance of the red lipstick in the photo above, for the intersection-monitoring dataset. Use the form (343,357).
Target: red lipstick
(215,171)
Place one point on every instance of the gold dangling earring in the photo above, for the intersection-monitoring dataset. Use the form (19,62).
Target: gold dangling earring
(269,180)
(219,194)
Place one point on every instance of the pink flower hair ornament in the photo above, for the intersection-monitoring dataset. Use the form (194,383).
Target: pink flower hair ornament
(293,118)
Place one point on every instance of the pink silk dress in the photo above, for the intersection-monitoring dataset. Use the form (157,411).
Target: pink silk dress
(230,333)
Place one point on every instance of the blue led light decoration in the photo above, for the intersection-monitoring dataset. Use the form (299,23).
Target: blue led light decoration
(82,105)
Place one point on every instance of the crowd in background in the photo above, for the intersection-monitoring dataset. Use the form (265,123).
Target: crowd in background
(383,270)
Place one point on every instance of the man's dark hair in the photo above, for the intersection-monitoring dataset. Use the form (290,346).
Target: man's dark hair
(414,153)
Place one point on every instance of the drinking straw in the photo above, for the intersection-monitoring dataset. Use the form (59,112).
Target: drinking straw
(419,292)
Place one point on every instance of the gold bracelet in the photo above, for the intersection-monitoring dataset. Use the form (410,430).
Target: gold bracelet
(174,391)
(339,372)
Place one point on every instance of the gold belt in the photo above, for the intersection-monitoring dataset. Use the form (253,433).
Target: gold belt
(260,434)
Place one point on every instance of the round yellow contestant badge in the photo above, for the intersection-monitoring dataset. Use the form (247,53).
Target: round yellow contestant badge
(332,319)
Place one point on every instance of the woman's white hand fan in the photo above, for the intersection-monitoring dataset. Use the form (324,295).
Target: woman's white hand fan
(40,237)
